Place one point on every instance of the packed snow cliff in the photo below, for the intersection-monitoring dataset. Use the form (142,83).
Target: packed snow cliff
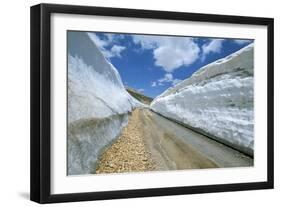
(217,100)
(98,103)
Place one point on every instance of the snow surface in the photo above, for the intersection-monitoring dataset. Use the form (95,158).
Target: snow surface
(98,103)
(217,100)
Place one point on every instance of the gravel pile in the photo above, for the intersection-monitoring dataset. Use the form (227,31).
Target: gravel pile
(128,153)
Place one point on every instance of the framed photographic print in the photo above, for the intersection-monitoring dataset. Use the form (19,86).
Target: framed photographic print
(132,103)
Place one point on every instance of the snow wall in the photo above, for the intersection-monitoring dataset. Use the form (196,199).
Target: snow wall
(98,104)
(217,101)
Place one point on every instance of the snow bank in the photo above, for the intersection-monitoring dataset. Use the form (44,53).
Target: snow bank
(98,103)
(217,100)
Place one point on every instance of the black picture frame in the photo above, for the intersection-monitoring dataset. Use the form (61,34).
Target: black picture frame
(41,102)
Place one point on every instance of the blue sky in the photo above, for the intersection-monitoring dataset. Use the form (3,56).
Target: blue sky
(152,63)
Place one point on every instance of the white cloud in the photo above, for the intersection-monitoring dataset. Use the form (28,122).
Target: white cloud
(114,37)
(116,50)
(214,46)
(110,37)
(146,42)
(241,42)
(168,78)
(153,84)
(170,53)
(108,45)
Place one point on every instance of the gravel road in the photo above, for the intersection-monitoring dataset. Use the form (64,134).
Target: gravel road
(151,142)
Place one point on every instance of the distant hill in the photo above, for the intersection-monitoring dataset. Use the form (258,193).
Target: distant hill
(139,96)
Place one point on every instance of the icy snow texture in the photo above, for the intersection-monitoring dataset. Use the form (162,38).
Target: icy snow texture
(217,100)
(98,103)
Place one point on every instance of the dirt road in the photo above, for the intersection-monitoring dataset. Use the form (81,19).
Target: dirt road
(152,142)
